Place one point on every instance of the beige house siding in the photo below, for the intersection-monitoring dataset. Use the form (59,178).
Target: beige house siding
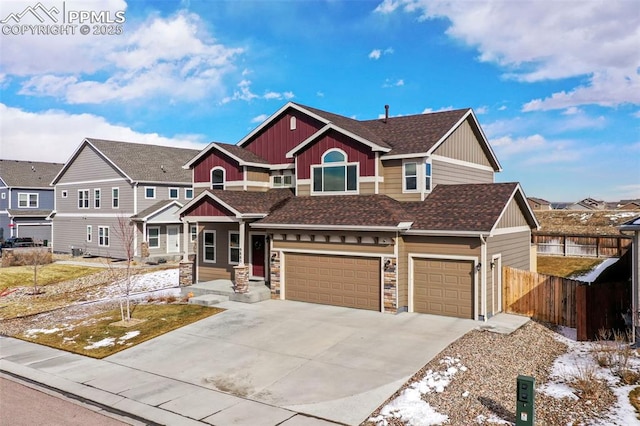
(303,190)
(367,188)
(454,246)
(392,185)
(450,174)
(515,249)
(512,216)
(89,165)
(255,188)
(463,144)
(221,268)
(257,175)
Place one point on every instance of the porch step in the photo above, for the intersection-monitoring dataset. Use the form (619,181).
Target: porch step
(208,300)
(258,291)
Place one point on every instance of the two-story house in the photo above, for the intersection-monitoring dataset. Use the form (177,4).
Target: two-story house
(109,192)
(26,199)
(392,214)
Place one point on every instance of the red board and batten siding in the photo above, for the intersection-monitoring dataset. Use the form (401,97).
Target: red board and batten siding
(356,153)
(202,170)
(208,208)
(274,141)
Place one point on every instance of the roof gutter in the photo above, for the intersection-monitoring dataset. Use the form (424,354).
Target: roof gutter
(451,233)
(326,227)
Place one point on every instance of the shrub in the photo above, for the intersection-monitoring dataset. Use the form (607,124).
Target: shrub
(587,383)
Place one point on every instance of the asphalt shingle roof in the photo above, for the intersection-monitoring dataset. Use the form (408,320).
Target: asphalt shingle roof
(29,213)
(466,207)
(153,208)
(28,174)
(242,153)
(253,202)
(148,163)
(340,210)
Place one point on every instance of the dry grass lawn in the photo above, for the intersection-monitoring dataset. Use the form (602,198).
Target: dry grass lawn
(20,276)
(98,337)
(566,267)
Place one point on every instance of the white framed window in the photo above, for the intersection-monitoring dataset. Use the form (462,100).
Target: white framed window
(28,200)
(153,236)
(150,192)
(4,195)
(292,123)
(282,181)
(174,193)
(209,246)
(89,233)
(96,198)
(65,194)
(83,198)
(427,176)
(410,181)
(217,178)
(234,247)
(115,198)
(335,174)
(103,236)
(193,232)
(188,193)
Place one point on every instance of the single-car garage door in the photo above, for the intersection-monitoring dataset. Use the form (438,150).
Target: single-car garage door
(349,281)
(443,287)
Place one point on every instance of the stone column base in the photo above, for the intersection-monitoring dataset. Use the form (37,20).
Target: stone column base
(241,278)
(186,273)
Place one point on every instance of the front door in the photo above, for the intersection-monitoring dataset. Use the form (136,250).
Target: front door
(173,239)
(257,255)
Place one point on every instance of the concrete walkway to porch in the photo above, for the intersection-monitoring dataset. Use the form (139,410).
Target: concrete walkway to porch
(210,293)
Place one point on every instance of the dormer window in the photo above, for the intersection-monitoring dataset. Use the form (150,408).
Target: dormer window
(335,174)
(217,178)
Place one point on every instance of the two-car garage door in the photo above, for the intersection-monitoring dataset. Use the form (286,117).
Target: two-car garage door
(443,287)
(348,281)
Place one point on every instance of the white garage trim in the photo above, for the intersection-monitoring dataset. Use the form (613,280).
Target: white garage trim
(283,285)
(474,259)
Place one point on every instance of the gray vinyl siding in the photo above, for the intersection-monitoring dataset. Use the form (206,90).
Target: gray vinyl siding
(444,173)
(515,249)
(162,193)
(71,232)
(512,216)
(88,166)
(463,144)
(160,251)
(70,204)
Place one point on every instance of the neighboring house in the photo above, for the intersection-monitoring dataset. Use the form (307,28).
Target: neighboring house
(539,204)
(633,226)
(26,199)
(628,205)
(396,214)
(587,204)
(109,188)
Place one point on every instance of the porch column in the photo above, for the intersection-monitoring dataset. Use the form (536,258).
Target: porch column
(242,241)
(186,234)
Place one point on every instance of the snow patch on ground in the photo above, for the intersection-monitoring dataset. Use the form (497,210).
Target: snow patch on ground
(409,406)
(492,419)
(140,285)
(128,335)
(107,341)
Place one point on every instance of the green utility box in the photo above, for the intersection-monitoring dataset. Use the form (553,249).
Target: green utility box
(525,411)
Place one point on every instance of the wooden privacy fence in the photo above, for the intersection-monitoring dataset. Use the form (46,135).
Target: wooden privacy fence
(541,297)
(571,303)
(581,245)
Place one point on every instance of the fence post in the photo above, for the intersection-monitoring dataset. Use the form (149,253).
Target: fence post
(581,313)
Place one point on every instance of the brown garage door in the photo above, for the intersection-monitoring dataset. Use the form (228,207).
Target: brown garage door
(443,287)
(348,281)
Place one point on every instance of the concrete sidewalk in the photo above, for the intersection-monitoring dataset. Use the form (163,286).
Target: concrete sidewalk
(270,363)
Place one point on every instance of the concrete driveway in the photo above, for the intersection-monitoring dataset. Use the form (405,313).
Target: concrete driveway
(335,363)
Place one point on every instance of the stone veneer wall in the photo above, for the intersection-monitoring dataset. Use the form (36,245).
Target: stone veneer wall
(185,275)
(275,274)
(241,278)
(390,284)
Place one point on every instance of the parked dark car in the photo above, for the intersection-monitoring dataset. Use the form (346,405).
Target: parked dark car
(17,242)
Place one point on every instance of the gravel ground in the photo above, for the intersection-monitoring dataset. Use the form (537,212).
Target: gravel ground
(485,391)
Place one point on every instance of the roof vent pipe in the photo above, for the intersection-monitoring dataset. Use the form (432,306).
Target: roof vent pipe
(386,113)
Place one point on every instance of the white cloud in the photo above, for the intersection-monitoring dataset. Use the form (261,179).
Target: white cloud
(244,93)
(535,149)
(482,110)
(321,95)
(260,118)
(375,54)
(53,135)
(430,110)
(502,108)
(389,83)
(534,42)
(171,57)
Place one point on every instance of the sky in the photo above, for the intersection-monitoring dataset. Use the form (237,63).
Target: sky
(555,84)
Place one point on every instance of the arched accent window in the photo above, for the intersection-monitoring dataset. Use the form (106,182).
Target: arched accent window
(335,174)
(217,178)
(292,123)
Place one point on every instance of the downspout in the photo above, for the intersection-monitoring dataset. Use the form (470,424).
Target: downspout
(135,211)
(483,277)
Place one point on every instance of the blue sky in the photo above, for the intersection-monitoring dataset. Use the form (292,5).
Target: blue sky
(555,84)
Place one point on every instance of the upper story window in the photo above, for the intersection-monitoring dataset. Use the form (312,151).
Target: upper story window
(217,178)
(150,192)
(28,200)
(188,193)
(335,174)
(174,193)
(410,177)
(115,198)
(83,199)
(292,123)
(427,176)
(284,180)
(96,198)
